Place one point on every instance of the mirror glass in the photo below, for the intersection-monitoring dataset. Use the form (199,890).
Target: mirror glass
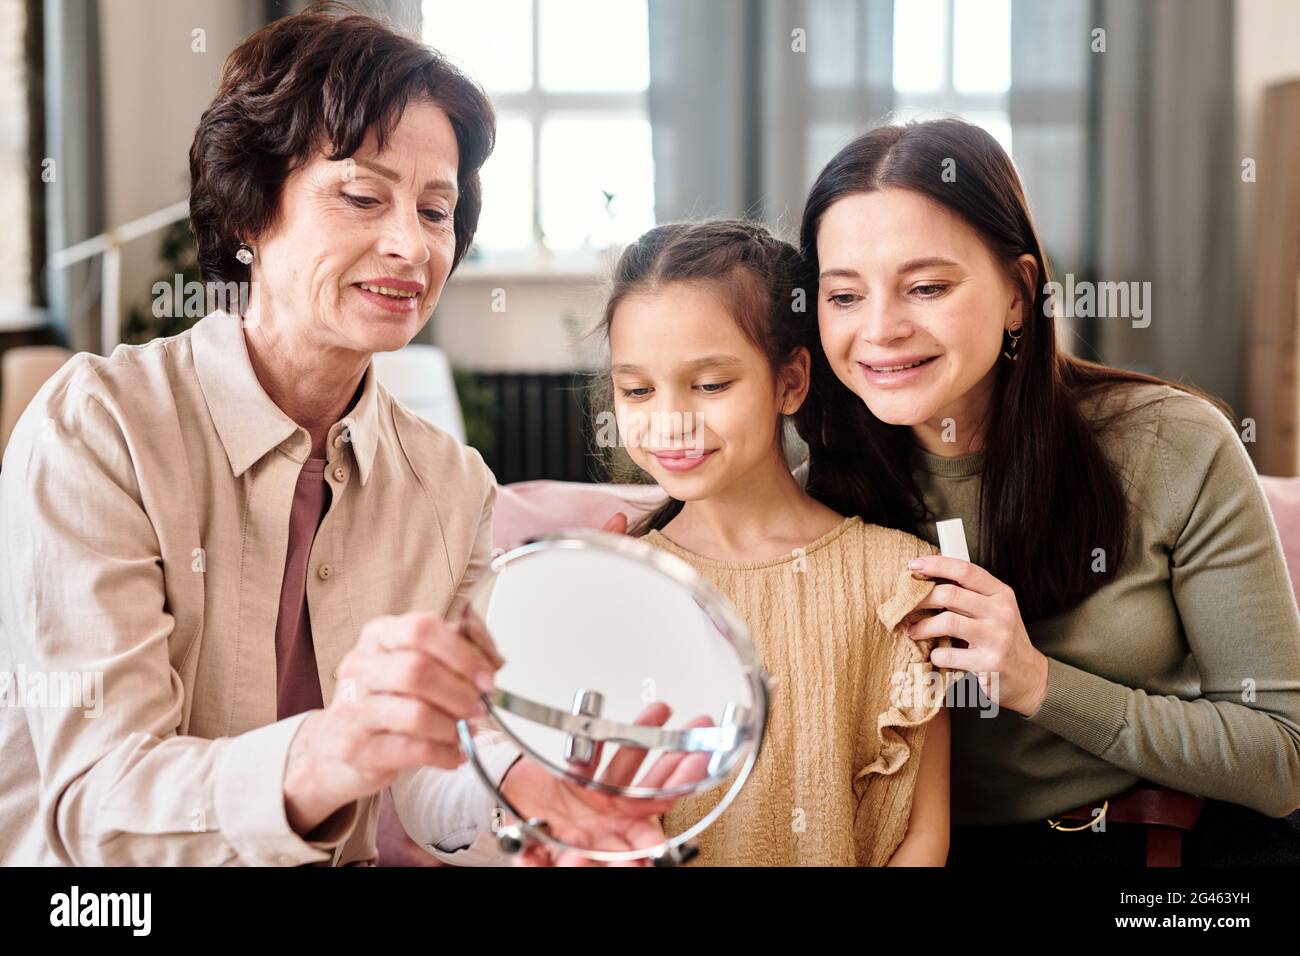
(599,632)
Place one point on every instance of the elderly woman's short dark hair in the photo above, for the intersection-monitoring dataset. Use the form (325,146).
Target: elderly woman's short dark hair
(318,79)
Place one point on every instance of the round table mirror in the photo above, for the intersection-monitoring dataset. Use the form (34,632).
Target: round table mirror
(595,628)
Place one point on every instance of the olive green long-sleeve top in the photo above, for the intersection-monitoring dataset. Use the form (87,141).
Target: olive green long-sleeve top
(1183,670)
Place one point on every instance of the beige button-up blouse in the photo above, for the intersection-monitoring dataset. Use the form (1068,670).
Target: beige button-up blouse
(145,503)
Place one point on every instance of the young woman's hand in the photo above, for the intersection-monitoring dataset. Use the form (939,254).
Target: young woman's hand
(617,524)
(982,611)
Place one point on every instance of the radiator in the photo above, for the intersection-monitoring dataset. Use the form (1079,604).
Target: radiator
(530,425)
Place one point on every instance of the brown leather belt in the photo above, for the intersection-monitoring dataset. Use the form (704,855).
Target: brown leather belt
(1165,813)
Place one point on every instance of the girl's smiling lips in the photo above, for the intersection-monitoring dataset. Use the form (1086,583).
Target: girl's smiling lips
(682,459)
(897,371)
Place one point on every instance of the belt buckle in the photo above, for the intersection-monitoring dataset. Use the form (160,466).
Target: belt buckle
(1056,824)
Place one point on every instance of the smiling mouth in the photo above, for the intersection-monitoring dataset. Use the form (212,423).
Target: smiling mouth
(682,452)
(385,290)
(898,368)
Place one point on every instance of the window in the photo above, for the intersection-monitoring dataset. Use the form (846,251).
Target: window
(954,56)
(573,171)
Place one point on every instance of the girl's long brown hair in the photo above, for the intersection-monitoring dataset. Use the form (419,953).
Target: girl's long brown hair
(1049,497)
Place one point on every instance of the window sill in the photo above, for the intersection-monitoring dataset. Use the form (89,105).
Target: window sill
(539,267)
(22,318)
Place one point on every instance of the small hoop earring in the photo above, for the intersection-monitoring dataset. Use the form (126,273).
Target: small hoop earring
(244,254)
(1010,352)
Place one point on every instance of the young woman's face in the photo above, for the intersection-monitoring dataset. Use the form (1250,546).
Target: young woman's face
(696,402)
(912,306)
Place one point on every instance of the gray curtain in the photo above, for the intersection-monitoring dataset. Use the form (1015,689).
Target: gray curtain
(1049,106)
(1128,157)
(74,201)
(1167,184)
(750,98)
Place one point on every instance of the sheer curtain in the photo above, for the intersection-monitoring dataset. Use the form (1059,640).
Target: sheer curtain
(1049,104)
(748,100)
(1125,141)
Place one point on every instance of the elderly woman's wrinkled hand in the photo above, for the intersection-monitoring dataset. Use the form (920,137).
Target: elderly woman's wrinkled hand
(400,692)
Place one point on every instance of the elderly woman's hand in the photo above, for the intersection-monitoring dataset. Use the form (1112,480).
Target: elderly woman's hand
(400,692)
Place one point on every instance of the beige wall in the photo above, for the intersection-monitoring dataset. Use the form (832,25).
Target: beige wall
(1267,52)
(155,86)
(541,327)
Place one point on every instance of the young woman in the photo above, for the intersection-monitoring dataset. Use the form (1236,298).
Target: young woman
(1127,585)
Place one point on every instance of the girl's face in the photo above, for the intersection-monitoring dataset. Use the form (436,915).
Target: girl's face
(696,402)
(912,306)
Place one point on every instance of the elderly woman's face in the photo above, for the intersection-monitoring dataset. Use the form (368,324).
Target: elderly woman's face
(361,248)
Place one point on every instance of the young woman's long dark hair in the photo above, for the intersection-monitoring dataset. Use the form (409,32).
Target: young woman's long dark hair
(1049,497)
(751,271)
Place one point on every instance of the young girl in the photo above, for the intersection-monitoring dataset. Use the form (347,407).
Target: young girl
(704,370)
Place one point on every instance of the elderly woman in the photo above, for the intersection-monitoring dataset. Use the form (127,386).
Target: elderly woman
(235,525)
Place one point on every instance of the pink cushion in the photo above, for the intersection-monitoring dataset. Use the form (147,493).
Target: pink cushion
(526,509)
(529,508)
(1284,498)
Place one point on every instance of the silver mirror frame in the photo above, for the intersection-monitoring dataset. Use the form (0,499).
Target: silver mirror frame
(729,625)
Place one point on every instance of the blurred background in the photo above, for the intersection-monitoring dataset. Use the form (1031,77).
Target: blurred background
(1159,141)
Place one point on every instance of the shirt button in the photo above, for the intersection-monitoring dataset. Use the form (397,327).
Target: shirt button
(338,441)
(324,571)
(340,474)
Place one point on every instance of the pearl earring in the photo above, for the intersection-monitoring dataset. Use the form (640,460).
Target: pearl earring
(244,254)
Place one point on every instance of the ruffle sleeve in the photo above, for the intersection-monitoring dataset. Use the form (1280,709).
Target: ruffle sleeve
(916,688)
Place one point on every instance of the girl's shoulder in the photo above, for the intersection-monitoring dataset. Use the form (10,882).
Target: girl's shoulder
(885,553)
(841,535)
(893,540)
(888,549)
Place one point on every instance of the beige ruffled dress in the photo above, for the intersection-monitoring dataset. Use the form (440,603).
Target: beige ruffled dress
(851,700)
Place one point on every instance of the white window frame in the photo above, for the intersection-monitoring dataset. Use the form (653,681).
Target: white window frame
(535,105)
(948,99)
